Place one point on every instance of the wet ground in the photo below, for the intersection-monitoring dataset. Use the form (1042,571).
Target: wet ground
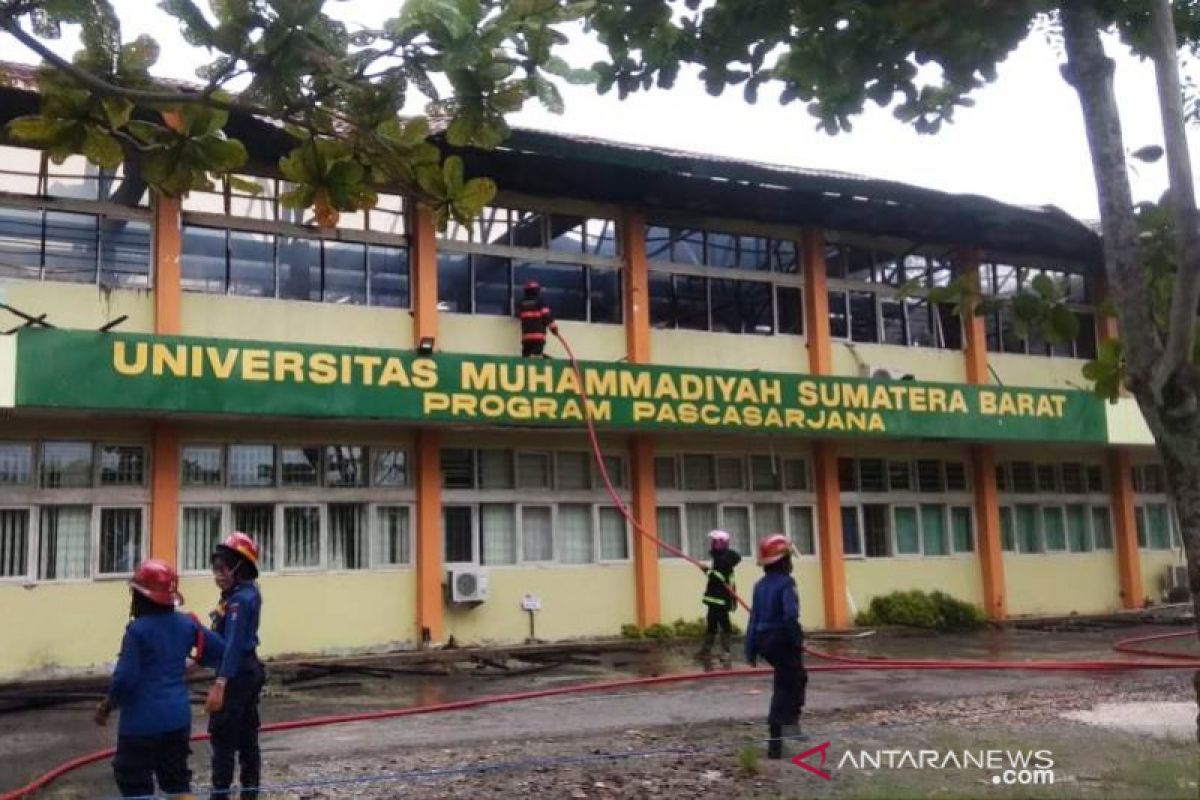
(725,713)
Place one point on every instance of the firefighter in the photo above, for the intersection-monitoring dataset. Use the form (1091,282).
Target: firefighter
(774,633)
(719,598)
(149,685)
(536,319)
(232,702)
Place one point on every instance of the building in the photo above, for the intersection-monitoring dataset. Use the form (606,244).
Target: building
(215,364)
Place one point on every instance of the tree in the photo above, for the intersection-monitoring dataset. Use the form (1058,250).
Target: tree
(924,58)
(345,96)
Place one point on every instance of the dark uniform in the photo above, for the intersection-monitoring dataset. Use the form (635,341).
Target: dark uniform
(234,729)
(149,687)
(774,633)
(536,319)
(720,601)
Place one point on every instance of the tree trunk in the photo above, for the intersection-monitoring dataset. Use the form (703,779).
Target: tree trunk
(1169,407)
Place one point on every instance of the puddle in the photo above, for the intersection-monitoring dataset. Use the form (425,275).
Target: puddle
(1159,719)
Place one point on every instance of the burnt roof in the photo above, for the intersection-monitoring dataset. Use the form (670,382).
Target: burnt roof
(540,163)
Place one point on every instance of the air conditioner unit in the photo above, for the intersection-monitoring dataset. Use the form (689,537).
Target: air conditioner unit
(1178,576)
(468,585)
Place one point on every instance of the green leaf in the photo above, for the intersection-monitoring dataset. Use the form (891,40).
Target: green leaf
(34,129)
(117,110)
(549,95)
(102,149)
(146,132)
(475,194)
(452,173)
(431,181)
(1044,286)
(1149,154)
(222,155)
(1063,325)
(242,185)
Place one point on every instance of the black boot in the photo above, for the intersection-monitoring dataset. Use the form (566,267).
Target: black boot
(774,743)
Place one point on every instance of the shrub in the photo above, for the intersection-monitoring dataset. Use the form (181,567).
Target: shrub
(631,631)
(657,631)
(917,609)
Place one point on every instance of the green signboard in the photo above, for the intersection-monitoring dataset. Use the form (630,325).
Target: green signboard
(86,370)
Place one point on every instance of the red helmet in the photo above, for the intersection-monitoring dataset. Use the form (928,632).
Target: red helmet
(158,581)
(532,288)
(241,547)
(773,548)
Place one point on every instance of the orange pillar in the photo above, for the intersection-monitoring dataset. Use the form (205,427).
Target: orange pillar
(164,461)
(1129,558)
(422,237)
(430,606)
(825,457)
(983,460)
(636,304)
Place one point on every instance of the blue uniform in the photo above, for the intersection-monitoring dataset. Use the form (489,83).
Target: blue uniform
(148,685)
(774,633)
(234,729)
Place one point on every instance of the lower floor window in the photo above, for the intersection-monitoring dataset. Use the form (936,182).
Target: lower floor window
(70,542)
(1054,528)
(1154,526)
(496,534)
(877,530)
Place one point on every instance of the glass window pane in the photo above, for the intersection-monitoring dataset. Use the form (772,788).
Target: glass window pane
(124,253)
(803,531)
(345,273)
(1072,478)
(876,534)
(847,475)
(20,243)
(736,520)
(604,295)
(768,519)
(252,264)
(1102,528)
(498,533)
(900,475)
(950,327)
(1054,528)
(731,472)
(71,249)
(496,469)
(662,300)
(64,543)
(665,474)
(345,465)
(701,518)
(1008,532)
(956,476)
(1047,478)
(300,466)
(66,465)
(258,522)
(533,470)
(933,530)
(614,535)
(14,542)
(200,531)
(687,246)
(457,534)
(691,302)
(575,539)
(251,465)
(1077,529)
(964,536)
(566,233)
(528,228)
(929,476)
(563,287)
(16,464)
(390,466)
(795,474)
(658,243)
(851,535)
(1158,517)
(601,237)
(1022,477)
(754,252)
(670,530)
(698,473)
(864,324)
(572,471)
(871,475)
(122,465)
(537,533)
(454,282)
(920,324)
(202,465)
(895,327)
(299,269)
(742,307)
(839,315)
(302,536)
(783,256)
(120,540)
(458,468)
(393,544)
(1095,479)
(615,467)
(789,304)
(766,475)
(1140,517)
(389,275)
(493,285)
(908,535)
(721,250)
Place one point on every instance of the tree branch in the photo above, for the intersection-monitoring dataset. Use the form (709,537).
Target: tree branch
(1090,72)
(1181,329)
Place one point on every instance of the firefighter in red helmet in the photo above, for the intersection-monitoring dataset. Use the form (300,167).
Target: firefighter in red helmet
(774,633)
(149,685)
(536,319)
(233,700)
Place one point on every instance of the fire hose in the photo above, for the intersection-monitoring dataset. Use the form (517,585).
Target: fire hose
(1155,659)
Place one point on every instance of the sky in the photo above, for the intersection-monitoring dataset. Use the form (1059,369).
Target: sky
(1023,142)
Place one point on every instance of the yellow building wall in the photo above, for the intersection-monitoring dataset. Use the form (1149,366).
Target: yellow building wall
(1039,371)
(584,601)
(682,585)
(57,628)
(1154,568)
(491,335)
(1084,583)
(267,319)
(729,351)
(70,305)
(924,363)
(957,576)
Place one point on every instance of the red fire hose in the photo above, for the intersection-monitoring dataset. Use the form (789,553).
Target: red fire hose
(1158,659)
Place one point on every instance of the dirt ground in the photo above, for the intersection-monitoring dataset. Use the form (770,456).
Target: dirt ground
(700,739)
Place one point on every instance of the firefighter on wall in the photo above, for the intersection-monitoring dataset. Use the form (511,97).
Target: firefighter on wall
(536,319)
(718,598)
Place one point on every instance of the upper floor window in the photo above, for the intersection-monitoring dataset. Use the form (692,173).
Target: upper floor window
(1005,280)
